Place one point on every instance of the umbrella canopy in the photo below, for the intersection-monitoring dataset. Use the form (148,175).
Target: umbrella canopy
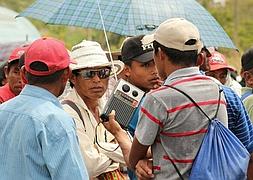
(129,17)
(7,48)
(15,30)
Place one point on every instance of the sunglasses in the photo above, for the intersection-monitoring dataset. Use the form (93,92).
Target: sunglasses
(101,73)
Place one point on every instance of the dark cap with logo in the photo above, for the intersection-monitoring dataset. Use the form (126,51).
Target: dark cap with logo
(133,49)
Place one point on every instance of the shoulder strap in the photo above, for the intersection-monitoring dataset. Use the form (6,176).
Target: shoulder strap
(74,106)
(194,102)
(178,172)
(220,90)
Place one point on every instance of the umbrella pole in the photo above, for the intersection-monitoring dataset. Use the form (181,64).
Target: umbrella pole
(106,39)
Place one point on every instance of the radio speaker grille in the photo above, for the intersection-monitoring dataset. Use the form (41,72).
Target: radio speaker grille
(118,103)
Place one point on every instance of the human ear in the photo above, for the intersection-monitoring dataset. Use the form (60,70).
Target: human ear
(66,74)
(127,71)
(6,73)
(23,73)
(161,55)
(200,59)
(72,78)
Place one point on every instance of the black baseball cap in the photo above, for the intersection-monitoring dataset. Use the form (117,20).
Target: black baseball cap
(133,49)
(247,60)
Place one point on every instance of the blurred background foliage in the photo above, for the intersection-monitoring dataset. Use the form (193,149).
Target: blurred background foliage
(235,16)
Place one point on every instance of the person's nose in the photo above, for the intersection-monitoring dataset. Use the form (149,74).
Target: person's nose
(154,71)
(19,80)
(96,78)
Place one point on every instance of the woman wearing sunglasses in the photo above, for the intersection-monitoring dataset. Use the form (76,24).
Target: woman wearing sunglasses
(89,82)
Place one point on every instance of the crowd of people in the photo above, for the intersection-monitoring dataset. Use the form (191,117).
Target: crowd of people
(44,137)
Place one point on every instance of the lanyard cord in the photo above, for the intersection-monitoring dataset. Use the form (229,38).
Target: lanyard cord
(96,140)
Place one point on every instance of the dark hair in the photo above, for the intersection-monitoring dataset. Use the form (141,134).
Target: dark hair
(74,72)
(177,57)
(128,63)
(2,75)
(39,66)
(21,61)
(246,60)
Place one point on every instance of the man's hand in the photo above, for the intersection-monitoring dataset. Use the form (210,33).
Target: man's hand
(112,125)
(158,84)
(143,169)
(121,136)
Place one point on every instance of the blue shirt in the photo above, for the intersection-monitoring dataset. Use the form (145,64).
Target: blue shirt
(133,123)
(38,139)
(238,120)
(131,128)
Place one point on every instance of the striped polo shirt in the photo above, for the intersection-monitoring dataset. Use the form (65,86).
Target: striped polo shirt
(238,119)
(173,125)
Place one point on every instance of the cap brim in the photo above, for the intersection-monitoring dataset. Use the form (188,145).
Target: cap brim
(217,67)
(146,57)
(148,39)
(12,60)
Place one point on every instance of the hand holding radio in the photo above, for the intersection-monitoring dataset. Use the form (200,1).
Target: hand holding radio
(112,125)
(124,99)
(104,117)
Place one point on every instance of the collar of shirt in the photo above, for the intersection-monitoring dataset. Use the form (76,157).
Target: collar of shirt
(35,91)
(246,89)
(76,98)
(90,121)
(180,73)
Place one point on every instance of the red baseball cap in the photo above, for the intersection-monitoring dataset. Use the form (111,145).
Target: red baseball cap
(49,51)
(218,61)
(17,53)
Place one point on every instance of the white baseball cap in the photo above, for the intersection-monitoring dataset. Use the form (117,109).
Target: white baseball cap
(175,33)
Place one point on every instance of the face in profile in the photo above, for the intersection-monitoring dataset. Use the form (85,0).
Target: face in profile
(13,77)
(91,83)
(143,75)
(220,74)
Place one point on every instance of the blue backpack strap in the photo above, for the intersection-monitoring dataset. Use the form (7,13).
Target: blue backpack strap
(245,95)
(210,119)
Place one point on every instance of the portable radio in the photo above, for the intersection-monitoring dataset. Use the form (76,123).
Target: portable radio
(124,99)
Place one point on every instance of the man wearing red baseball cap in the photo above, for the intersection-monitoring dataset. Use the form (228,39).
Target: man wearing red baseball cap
(220,70)
(38,138)
(11,70)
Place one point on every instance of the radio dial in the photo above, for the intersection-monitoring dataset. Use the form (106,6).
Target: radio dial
(126,88)
(135,93)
